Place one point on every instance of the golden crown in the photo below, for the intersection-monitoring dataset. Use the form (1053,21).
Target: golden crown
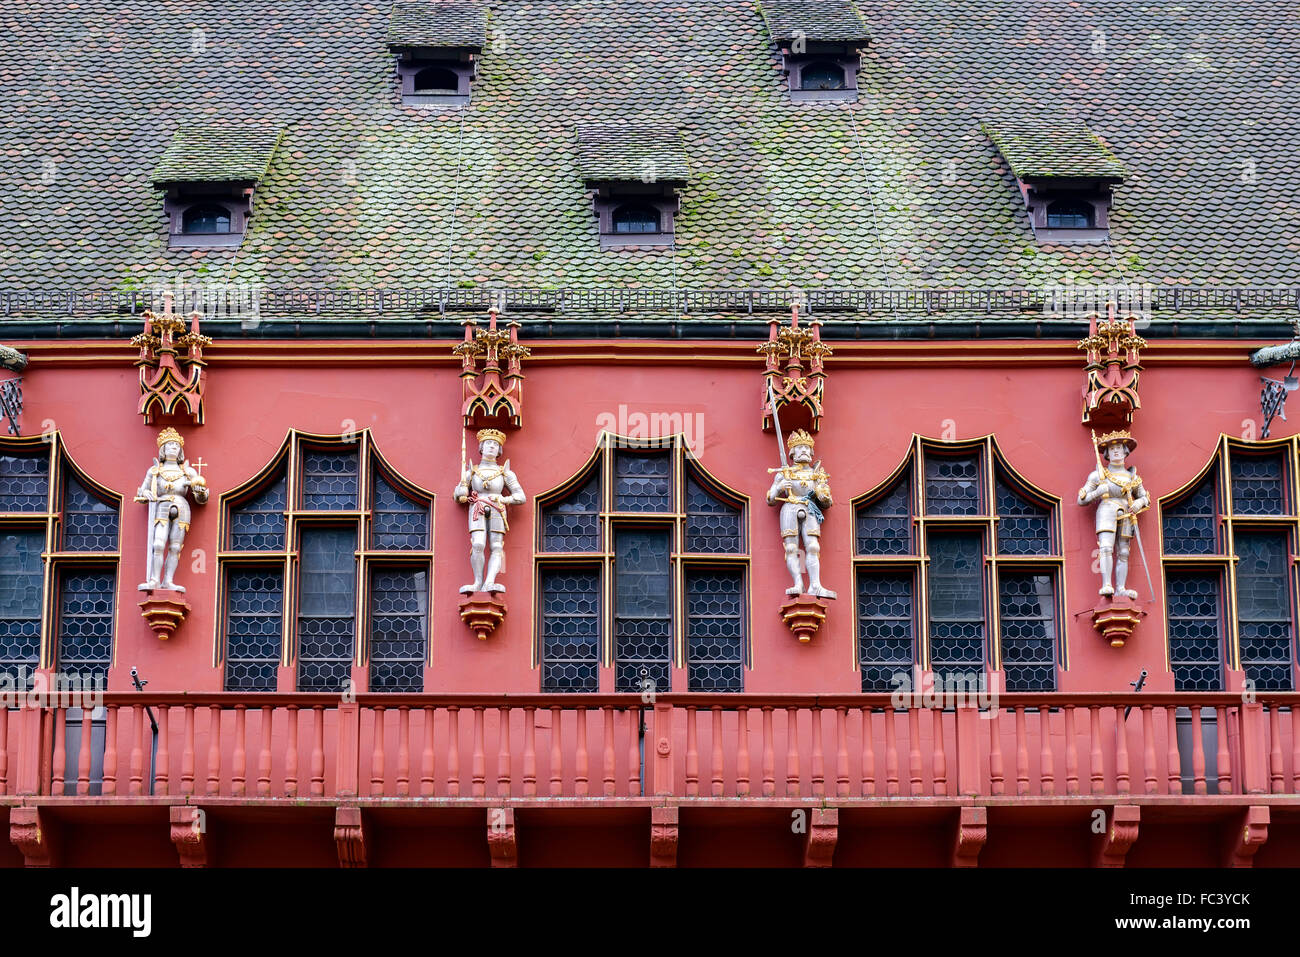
(495,435)
(797,439)
(170,435)
(1120,435)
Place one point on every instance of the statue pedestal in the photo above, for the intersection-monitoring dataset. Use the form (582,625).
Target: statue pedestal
(165,611)
(1116,620)
(482,612)
(803,615)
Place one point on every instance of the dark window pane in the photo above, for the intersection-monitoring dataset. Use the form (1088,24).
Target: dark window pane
(1024,527)
(1195,643)
(258,524)
(330,480)
(436,80)
(636,218)
(715,630)
(399,522)
(1190,527)
(1257,485)
(886,626)
(570,603)
(24,483)
(205,219)
(86,624)
(711,524)
(254,620)
(1028,617)
(956,591)
(88,524)
(641,482)
(573,525)
(1264,609)
(642,609)
(1067,214)
(952,485)
(326,608)
(822,76)
(20,604)
(398,616)
(885,525)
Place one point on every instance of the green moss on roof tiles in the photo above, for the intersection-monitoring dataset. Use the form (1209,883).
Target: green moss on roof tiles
(822,21)
(1046,148)
(217,154)
(435,24)
(631,151)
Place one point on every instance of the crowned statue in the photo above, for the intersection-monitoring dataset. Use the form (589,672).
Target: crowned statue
(801,489)
(1117,489)
(164,489)
(488,488)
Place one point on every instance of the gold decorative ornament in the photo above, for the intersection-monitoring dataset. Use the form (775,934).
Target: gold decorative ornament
(495,435)
(798,438)
(170,435)
(1119,435)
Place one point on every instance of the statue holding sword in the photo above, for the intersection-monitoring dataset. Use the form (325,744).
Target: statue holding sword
(488,488)
(1121,497)
(802,491)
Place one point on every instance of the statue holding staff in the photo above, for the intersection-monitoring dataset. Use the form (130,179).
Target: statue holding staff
(164,490)
(488,488)
(1117,489)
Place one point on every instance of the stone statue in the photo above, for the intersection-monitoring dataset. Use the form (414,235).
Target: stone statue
(801,489)
(482,487)
(1117,489)
(164,489)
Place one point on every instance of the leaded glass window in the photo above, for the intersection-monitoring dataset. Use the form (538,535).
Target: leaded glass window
(1028,621)
(85,632)
(20,603)
(712,525)
(89,524)
(570,630)
(1195,623)
(326,608)
(254,622)
(1024,526)
(715,629)
(24,482)
(952,485)
(258,524)
(884,527)
(1264,608)
(398,620)
(573,524)
(643,621)
(642,481)
(886,624)
(1190,527)
(956,583)
(1258,484)
(330,479)
(398,523)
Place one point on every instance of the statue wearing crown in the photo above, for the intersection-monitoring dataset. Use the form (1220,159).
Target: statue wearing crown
(488,488)
(802,491)
(1117,489)
(165,488)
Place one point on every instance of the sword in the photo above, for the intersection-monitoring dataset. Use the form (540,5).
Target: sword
(776,421)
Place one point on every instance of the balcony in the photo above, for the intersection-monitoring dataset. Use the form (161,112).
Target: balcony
(689,779)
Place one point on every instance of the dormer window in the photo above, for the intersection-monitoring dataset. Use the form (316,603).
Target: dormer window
(210,174)
(1065,173)
(437,46)
(819,42)
(634,172)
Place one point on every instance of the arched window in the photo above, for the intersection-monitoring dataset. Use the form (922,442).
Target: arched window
(356,528)
(955,532)
(436,80)
(1069,214)
(648,527)
(205,219)
(635,218)
(58,537)
(822,75)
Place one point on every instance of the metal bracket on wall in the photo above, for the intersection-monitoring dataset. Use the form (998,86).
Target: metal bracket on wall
(11,403)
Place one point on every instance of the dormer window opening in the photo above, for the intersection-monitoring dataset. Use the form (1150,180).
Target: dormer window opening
(635,218)
(1069,214)
(205,219)
(822,75)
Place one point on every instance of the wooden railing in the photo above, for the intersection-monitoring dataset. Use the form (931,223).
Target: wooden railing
(679,745)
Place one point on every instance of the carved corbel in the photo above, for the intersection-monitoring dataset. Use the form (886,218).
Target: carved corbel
(804,615)
(972,832)
(1248,833)
(350,836)
(29,831)
(503,845)
(663,837)
(188,828)
(823,833)
(1110,848)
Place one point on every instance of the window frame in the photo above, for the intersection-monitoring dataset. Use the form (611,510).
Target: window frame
(683,462)
(288,461)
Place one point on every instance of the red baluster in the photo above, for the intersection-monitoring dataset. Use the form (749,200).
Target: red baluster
(503,752)
(1173,762)
(530,751)
(136,781)
(1275,772)
(792,752)
(110,751)
(4,750)
(868,783)
(1121,753)
(1148,751)
(557,756)
(1022,754)
(378,770)
(769,754)
(239,770)
(427,765)
(818,757)
(633,752)
(1222,760)
(715,759)
(1046,762)
(608,757)
(1071,753)
(841,752)
(1295,750)
(1096,769)
(997,779)
(453,751)
(478,771)
(692,755)
(891,754)
(291,755)
(60,757)
(318,752)
(580,775)
(914,750)
(742,752)
(187,755)
(1199,785)
(939,760)
(162,775)
(403,751)
(264,754)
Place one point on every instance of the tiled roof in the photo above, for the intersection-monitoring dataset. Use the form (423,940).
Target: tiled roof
(631,151)
(828,21)
(437,24)
(217,154)
(901,188)
(1052,147)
